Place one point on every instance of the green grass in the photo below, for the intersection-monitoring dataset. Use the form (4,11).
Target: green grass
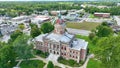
(92,16)
(12,65)
(32,64)
(94,64)
(84,25)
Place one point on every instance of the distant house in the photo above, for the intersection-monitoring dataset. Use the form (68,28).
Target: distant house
(100,7)
(19,18)
(6,29)
(45,12)
(104,15)
(56,12)
(40,19)
(72,16)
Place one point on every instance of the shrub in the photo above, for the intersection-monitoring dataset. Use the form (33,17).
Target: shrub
(42,54)
(50,65)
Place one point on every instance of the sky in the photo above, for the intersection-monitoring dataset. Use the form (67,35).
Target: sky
(47,0)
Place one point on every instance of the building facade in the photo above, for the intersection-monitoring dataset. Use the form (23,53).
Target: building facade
(104,15)
(62,43)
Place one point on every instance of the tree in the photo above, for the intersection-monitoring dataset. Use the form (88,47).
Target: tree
(108,51)
(104,31)
(7,56)
(15,34)
(35,31)
(50,65)
(47,27)
(91,36)
(22,49)
(21,26)
(104,23)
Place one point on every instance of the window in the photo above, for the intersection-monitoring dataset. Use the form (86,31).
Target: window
(61,47)
(65,48)
(54,46)
(73,51)
(76,57)
(58,53)
(57,46)
(76,52)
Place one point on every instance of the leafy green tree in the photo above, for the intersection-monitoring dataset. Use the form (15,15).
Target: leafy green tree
(104,31)
(47,27)
(108,51)
(22,49)
(50,65)
(7,56)
(104,23)
(91,36)
(21,26)
(35,31)
(15,34)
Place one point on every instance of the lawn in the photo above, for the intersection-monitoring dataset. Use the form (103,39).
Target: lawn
(92,16)
(94,64)
(84,25)
(32,64)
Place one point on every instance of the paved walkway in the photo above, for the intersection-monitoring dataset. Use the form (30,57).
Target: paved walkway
(56,63)
(52,57)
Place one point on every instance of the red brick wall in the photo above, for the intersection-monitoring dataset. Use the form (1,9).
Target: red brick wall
(82,54)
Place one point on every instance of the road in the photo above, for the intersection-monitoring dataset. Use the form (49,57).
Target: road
(78,31)
(117,19)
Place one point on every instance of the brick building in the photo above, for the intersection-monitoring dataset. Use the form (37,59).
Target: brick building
(62,43)
(105,15)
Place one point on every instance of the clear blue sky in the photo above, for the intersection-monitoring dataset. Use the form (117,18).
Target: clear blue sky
(47,0)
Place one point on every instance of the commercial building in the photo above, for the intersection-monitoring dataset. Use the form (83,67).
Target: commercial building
(105,15)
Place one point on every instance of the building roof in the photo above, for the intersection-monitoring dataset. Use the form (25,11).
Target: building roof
(79,44)
(100,13)
(40,37)
(40,18)
(66,37)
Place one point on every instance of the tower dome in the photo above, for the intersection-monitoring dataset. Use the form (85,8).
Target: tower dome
(59,25)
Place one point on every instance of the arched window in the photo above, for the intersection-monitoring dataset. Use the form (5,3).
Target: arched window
(76,57)
(65,48)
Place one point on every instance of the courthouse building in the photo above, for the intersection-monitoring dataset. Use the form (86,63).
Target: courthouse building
(61,42)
